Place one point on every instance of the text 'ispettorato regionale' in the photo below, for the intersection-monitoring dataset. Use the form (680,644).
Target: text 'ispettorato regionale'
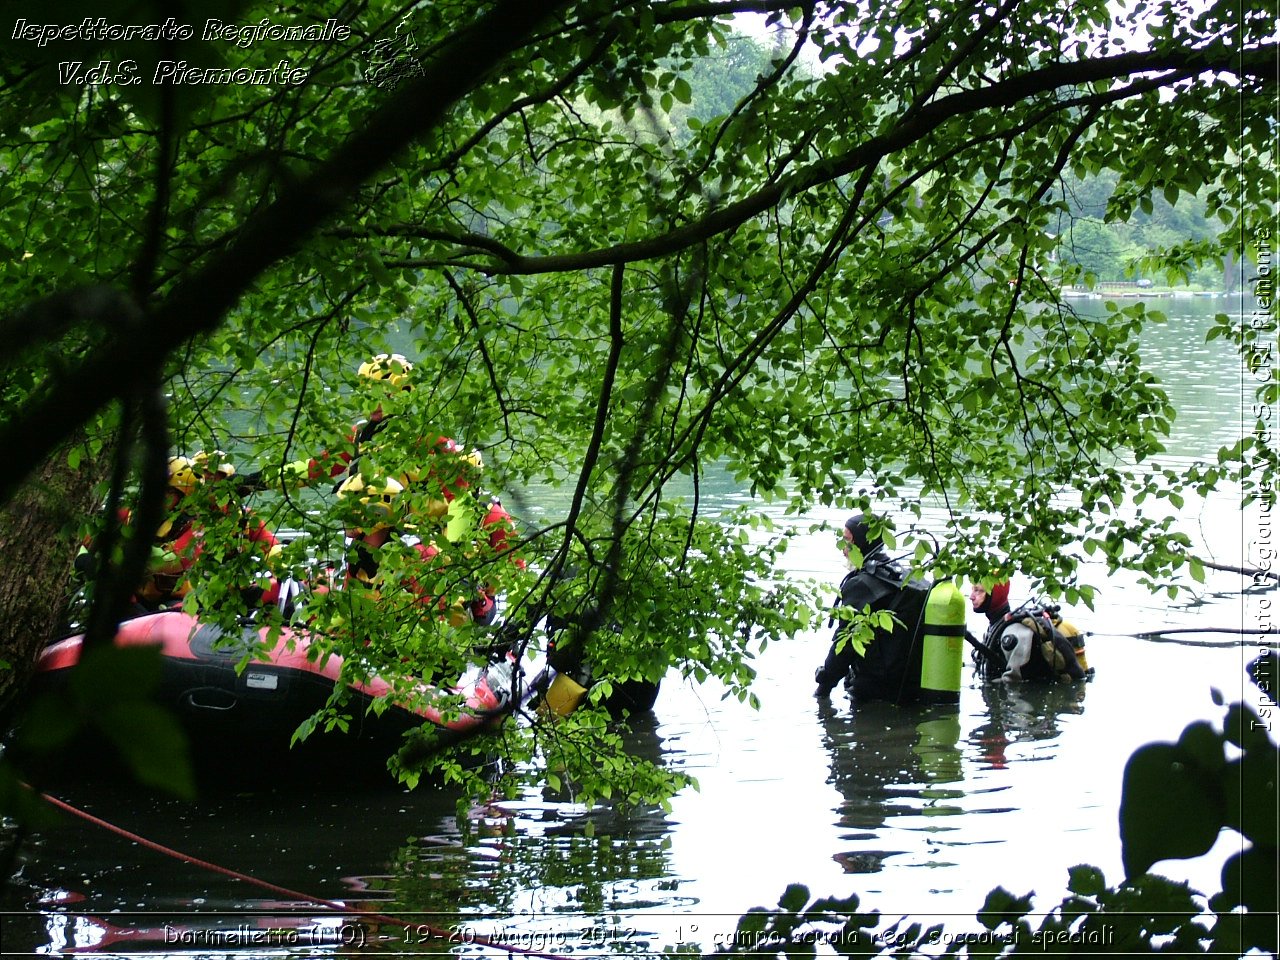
(243,35)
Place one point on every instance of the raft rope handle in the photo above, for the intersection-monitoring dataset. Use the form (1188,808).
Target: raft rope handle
(439,932)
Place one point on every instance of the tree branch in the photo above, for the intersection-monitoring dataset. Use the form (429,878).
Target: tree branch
(199,304)
(607,378)
(1179,65)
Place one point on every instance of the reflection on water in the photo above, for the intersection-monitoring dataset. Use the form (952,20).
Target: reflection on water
(515,869)
(1021,713)
(917,810)
(889,762)
(101,890)
(914,775)
(544,855)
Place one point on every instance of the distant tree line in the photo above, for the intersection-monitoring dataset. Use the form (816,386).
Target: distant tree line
(1108,248)
(1090,236)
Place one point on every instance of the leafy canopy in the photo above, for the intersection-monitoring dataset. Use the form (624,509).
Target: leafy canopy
(829,273)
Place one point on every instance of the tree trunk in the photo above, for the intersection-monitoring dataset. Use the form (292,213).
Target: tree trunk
(40,537)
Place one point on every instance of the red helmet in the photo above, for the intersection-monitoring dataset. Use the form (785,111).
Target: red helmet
(999,594)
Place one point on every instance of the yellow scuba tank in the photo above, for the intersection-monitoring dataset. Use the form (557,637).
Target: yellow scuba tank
(461,524)
(942,656)
(1074,637)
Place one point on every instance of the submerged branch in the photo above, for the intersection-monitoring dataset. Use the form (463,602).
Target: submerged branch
(1255,572)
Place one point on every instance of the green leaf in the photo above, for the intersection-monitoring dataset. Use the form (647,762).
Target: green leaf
(1250,796)
(1249,879)
(1204,745)
(150,739)
(50,722)
(1197,570)
(1086,881)
(753,921)
(1170,807)
(1003,907)
(107,675)
(794,898)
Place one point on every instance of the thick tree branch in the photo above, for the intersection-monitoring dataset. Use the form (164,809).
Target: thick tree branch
(100,308)
(602,413)
(1173,66)
(199,304)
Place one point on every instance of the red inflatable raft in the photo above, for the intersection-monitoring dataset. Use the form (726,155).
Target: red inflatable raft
(259,708)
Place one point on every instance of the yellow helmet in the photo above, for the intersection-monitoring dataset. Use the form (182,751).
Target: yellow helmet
(470,468)
(182,474)
(378,493)
(389,367)
(212,466)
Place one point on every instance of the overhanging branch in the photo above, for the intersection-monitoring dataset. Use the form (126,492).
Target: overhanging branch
(199,304)
(1171,68)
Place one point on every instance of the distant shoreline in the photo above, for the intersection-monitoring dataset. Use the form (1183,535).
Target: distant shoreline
(1135,292)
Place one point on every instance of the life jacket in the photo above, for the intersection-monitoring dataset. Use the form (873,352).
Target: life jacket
(1057,652)
(468,603)
(427,476)
(164,579)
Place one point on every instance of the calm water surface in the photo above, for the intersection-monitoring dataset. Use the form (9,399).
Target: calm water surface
(917,811)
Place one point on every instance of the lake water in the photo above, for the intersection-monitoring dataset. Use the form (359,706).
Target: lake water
(917,811)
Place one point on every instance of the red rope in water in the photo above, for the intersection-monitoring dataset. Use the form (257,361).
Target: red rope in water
(447,935)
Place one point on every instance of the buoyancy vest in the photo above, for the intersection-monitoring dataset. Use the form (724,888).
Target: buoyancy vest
(1053,653)
(889,669)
